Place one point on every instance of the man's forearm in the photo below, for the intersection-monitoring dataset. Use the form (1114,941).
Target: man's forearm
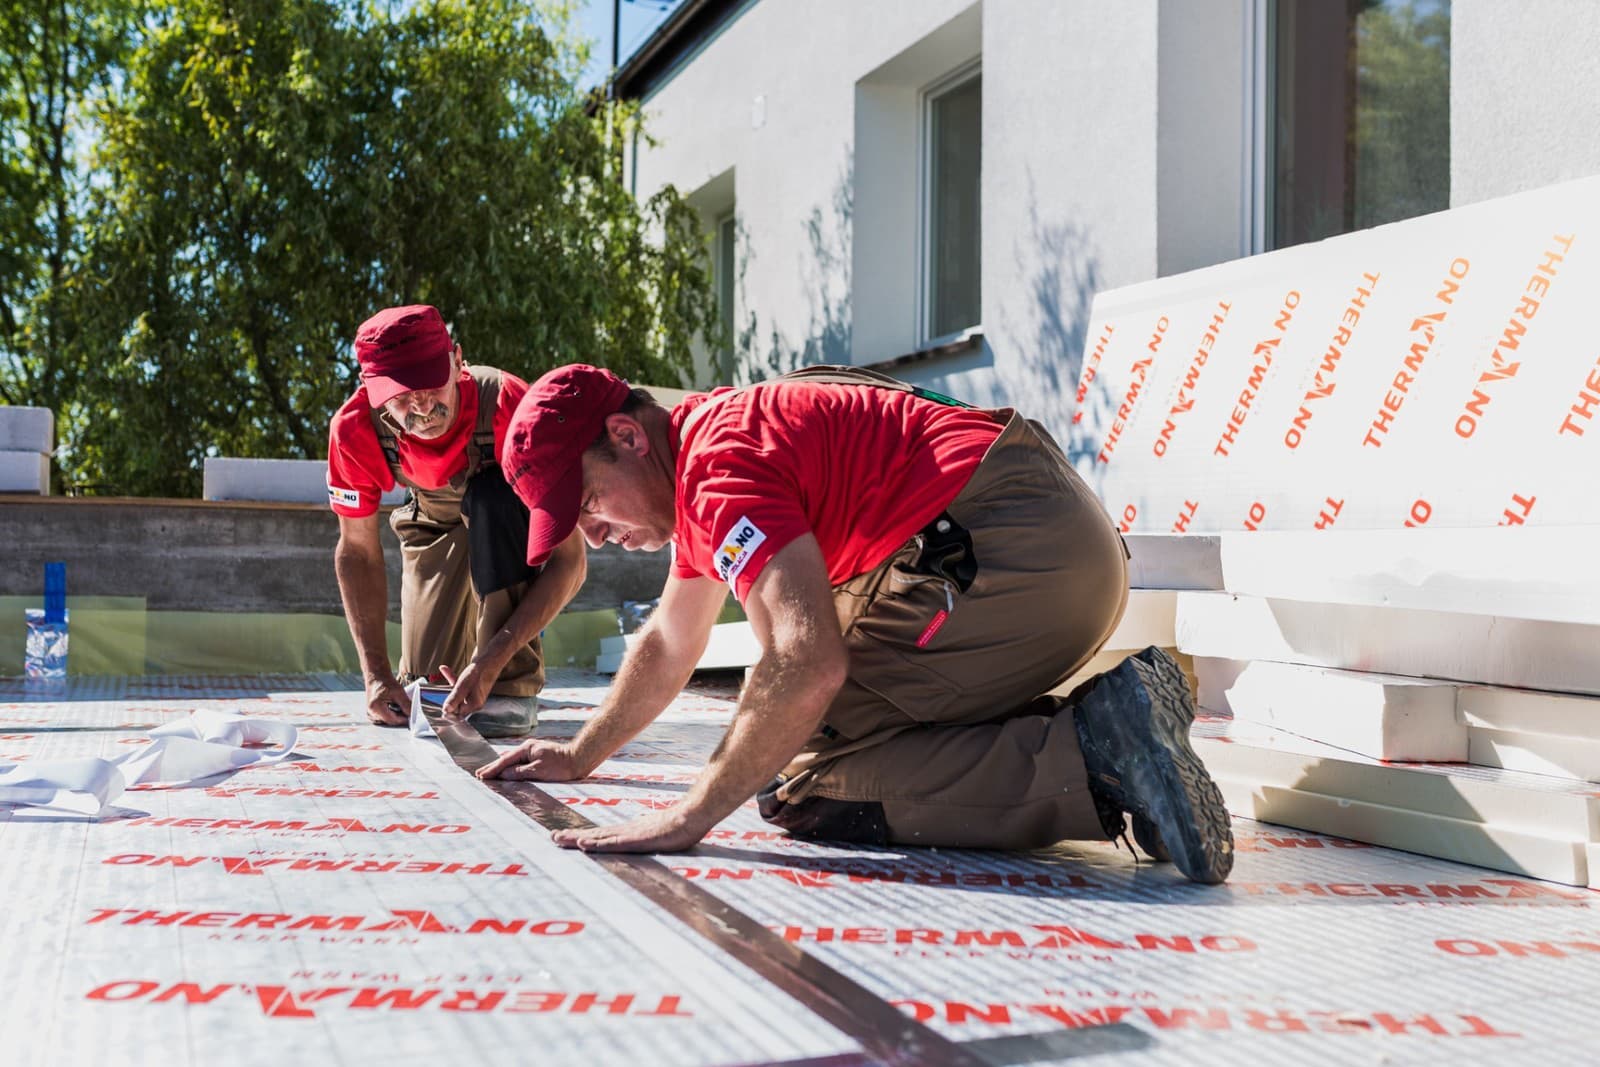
(653,672)
(551,591)
(778,712)
(364,588)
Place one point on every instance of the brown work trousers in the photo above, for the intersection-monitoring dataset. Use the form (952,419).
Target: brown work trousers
(935,738)
(443,618)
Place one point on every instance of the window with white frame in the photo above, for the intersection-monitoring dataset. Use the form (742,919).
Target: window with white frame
(1358,116)
(724,241)
(951,185)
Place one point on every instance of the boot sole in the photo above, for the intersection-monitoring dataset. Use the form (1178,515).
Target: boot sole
(1202,844)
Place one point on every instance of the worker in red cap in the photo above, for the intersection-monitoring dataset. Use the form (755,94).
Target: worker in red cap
(471,607)
(920,574)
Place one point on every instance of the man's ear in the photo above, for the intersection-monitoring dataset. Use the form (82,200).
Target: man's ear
(627,434)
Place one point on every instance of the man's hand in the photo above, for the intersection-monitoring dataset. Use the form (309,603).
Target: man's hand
(384,696)
(469,692)
(669,830)
(537,761)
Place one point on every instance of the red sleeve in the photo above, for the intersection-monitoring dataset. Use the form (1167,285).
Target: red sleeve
(743,513)
(358,475)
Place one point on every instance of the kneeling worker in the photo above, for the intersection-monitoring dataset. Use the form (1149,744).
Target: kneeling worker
(918,573)
(471,608)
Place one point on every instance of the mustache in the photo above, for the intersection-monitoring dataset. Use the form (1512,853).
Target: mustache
(416,421)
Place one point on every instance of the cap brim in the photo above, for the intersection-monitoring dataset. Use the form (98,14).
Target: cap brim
(382,388)
(552,519)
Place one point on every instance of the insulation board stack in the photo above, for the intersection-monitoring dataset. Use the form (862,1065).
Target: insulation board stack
(280,481)
(1454,733)
(27,438)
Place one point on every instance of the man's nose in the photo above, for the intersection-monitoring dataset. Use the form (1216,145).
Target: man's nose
(593,530)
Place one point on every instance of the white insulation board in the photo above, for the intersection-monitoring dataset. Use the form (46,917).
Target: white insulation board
(1486,649)
(1537,803)
(25,429)
(1174,561)
(1551,754)
(289,481)
(1526,572)
(1386,717)
(24,472)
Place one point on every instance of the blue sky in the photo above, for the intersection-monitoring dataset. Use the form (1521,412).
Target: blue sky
(639,20)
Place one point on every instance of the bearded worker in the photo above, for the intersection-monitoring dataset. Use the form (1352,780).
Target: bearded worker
(919,573)
(471,608)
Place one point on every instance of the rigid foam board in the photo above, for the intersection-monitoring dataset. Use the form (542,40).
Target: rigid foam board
(1485,845)
(290,481)
(1527,572)
(1147,621)
(1213,676)
(1540,804)
(24,472)
(27,430)
(1174,561)
(1594,865)
(1529,711)
(731,645)
(1487,649)
(1550,754)
(1384,716)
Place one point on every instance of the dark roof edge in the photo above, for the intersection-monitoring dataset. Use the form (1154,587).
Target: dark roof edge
(653,62)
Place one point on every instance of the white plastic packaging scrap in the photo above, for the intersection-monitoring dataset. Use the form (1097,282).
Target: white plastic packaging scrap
(181,753)
(420,726)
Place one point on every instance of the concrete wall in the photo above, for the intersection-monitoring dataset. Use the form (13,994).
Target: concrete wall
(1118,143)
(184,555)
(1524,95)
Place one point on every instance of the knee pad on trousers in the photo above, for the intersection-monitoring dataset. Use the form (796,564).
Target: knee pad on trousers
(859,822)
(497,533)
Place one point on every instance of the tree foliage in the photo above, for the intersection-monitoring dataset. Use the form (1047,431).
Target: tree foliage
(270,172)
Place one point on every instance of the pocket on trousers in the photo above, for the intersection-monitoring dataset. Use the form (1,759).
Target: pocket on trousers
(894,645)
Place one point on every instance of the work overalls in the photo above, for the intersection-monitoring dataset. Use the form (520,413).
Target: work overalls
(463,551)
(936,737)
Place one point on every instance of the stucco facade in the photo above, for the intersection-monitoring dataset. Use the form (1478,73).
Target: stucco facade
(1119,144)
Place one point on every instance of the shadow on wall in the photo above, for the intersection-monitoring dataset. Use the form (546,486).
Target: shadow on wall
(824,276)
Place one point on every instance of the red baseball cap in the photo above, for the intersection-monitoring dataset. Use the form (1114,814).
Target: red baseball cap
(559,417)
(403,349)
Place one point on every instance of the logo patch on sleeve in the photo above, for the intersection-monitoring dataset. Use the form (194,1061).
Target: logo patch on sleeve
(347,498)
(737,548)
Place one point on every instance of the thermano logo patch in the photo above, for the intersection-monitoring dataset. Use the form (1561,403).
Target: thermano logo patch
(742,541)
(344,497)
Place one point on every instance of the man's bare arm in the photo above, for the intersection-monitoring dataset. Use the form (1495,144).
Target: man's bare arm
(652,673)
(364,588)
(551,591)
(802,666)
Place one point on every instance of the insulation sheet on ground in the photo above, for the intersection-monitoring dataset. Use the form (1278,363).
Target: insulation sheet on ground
(367,901)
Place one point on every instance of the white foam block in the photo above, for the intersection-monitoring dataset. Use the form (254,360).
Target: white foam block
(1147,621)
(287,481)
(27,430)
(1250,752)
(1594,865)
(1383,716)
(1213,677)
(1529,711)
(1567,757)
(1174,561)
(731,645)
(1487,649)
(1484,845)
(1523,572)
(24,472)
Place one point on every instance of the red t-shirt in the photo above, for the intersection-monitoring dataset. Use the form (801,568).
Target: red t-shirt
(358,475)
(859,466)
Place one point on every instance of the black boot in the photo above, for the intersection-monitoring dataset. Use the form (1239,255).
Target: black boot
(1133,726)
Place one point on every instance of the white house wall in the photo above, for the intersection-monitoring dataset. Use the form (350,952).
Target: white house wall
(1117,137)
(1524,95)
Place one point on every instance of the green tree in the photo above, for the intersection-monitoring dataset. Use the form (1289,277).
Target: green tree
(55,56)
(273,171)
